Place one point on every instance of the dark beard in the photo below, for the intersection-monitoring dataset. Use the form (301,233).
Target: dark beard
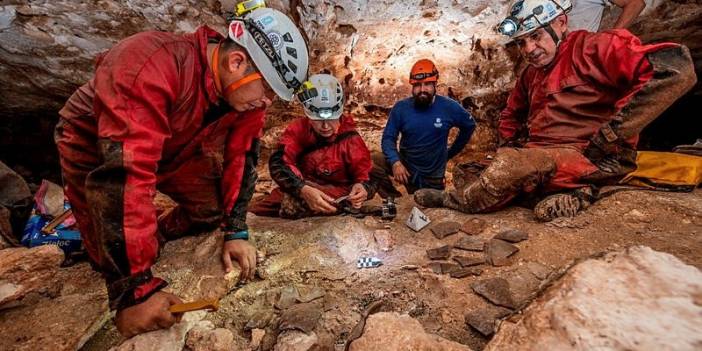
(423,100)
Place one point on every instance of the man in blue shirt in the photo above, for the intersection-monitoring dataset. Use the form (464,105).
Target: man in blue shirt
(424,121)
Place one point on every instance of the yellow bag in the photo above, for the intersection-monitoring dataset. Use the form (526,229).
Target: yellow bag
(666,170)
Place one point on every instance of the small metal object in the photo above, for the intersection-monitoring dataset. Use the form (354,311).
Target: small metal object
(369,262)
(341,199)
(247,6)
(210,305)
(389,210)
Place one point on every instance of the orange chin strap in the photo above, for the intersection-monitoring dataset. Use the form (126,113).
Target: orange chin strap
(234,86)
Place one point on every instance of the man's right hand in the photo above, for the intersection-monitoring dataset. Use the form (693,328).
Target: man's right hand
(317,200)
(399,173)
(149,315)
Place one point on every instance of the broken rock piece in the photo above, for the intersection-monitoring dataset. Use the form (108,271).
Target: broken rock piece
(512,235)
(495,290)
(465,272)
(203,339)
(474,226)
(391,331)
(308,294)
(439,253)
(288,297)
(485,319)
(498,251)
(417,220)
(469,261)
(444,229)
(26,271)
(303,316)
(470,243)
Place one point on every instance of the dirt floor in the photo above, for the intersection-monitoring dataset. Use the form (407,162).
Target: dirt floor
(322,252)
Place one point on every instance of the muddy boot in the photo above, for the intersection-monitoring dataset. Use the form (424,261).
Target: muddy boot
(429,198)
(562,205)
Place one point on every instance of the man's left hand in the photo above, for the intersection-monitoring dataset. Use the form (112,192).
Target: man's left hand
(244,253)
(358,195)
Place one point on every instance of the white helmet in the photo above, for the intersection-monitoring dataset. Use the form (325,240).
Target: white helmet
(526,16)
(325,100)
(275,46)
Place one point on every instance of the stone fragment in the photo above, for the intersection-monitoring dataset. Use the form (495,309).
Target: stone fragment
(295,340)
(204,339)
(172,339)
(474,226)
(484,319)
(439,253)
(417,220)
(444,229)
(303,316)
(385,239)
(435,267)
(498,251)
(391,331)
(495,290)
(259,320)
(308,294)
(288,297)
(539,270)
(469,261)
(470,243)
(256,338)
(634,299)
(26,271)
(449,268)
(512,235)
(465,272)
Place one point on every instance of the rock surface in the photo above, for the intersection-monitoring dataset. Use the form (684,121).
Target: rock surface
(390,331)
(498,252)
(608,303)
(29,271)
(474,226)
(444,229)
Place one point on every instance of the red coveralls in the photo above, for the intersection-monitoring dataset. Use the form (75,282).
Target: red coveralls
(150,120)
(303,157)
(562,106)
(554,111)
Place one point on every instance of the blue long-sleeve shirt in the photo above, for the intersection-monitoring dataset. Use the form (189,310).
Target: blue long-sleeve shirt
(424,146)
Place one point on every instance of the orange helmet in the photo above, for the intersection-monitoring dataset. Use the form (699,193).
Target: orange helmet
(423,71)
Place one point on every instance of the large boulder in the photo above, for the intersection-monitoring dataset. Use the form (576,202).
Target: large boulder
(389,331)
(636,299)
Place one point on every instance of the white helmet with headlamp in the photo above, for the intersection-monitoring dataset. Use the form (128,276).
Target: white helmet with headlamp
(275,45)
(326,99)
(526,16)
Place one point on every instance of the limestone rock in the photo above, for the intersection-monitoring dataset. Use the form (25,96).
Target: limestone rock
(498,251)
(439,253)
(496,290)
(470,243)
(469,261)
(203,339)
(193,268)
(632,299)
(484,319)
(512,235)
(295,340)
(444,229)
(61,322)
(29,271)
(303,317)
(172,339)
(390,331)
(465,272)
(474,226)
